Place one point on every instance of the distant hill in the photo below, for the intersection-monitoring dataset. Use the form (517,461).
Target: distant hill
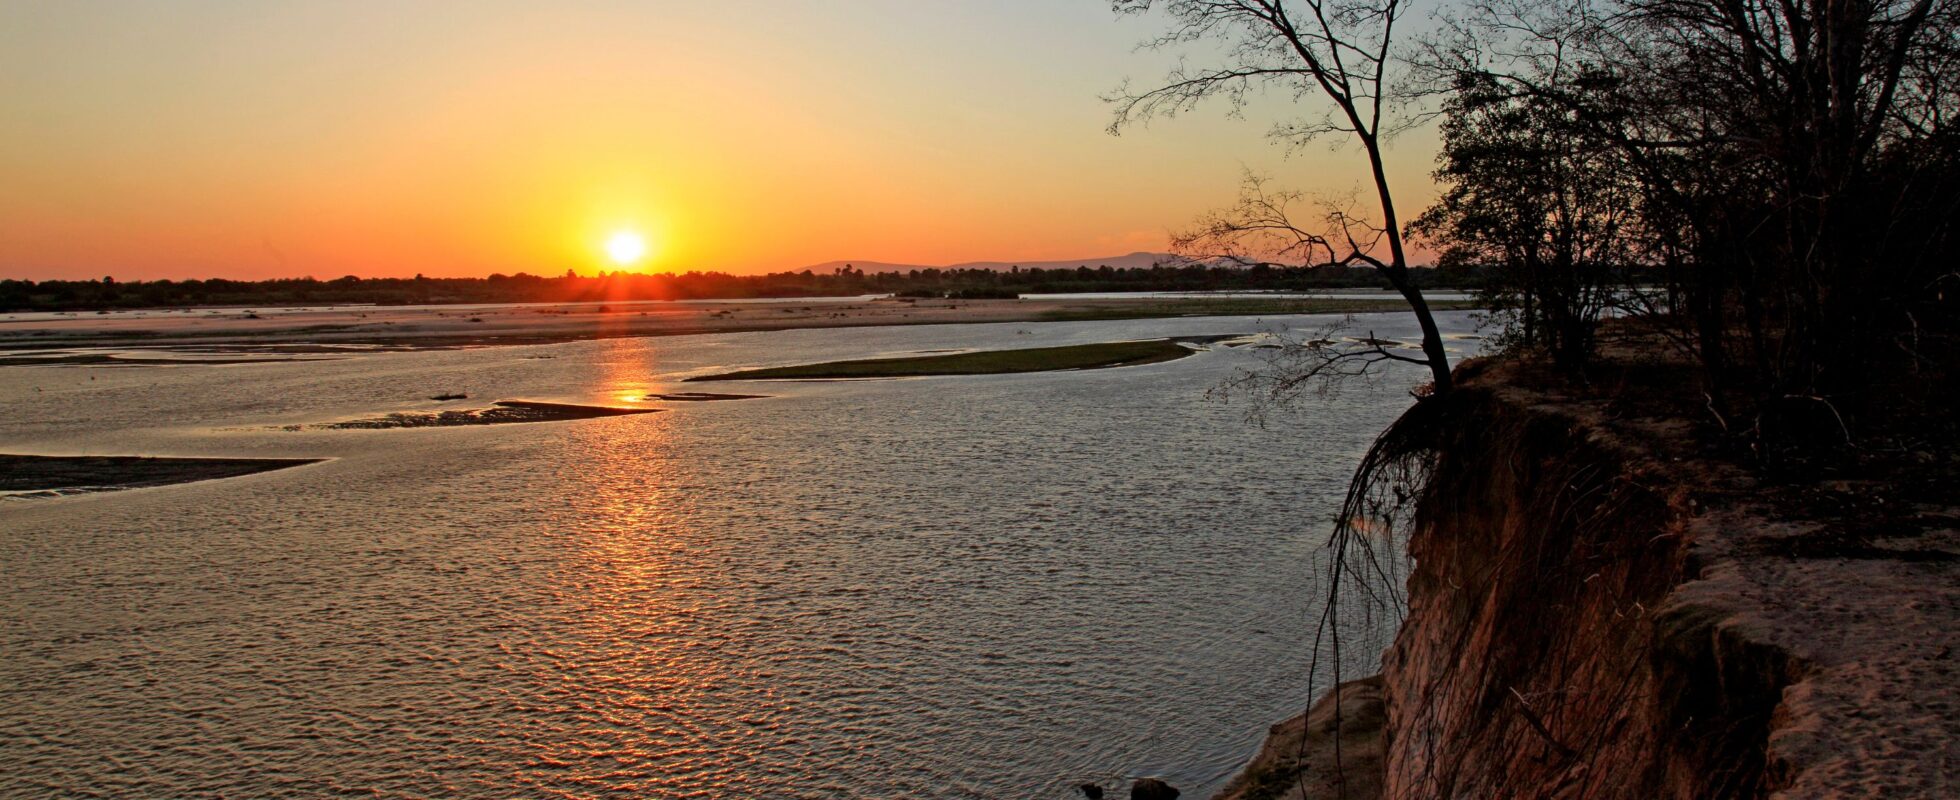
(1137,260)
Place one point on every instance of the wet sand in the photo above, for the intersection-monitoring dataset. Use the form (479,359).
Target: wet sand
(330,329)
(701,397)
(123,360)
(503,412)
(983,362)
(75,474)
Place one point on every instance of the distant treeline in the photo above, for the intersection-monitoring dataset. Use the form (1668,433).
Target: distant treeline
(109,293)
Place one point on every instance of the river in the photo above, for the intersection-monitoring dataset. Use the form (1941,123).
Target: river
(996,586)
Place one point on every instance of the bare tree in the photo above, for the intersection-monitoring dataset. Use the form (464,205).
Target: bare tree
(1796,168)
(1334,52)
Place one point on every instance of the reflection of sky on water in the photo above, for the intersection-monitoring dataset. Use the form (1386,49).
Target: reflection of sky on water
(1340,294)
(961,587)
(451,308)
(631,305)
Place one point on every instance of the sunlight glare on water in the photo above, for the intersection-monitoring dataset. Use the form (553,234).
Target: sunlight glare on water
(963,587)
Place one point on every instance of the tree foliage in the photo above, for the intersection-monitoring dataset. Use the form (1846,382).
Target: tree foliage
(1791,168)
(1549,212)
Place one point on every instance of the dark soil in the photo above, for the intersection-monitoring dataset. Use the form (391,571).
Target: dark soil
(504,412)
(107,473)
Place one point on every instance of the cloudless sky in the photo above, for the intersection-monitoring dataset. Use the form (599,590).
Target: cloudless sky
(260,138)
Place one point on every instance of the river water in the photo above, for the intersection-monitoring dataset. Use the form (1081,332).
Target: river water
(992,586)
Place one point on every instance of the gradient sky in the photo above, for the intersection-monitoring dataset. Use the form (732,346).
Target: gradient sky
(256,138)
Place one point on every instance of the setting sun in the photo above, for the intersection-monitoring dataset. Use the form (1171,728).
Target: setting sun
(758,399)
(626,248)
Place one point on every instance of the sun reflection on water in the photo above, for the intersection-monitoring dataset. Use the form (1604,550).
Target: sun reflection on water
(630,665)
(627,367)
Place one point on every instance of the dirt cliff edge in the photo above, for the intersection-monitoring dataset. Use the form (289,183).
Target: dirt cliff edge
(1598,609)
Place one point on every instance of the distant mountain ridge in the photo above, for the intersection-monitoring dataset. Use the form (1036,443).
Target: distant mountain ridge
(1139,259)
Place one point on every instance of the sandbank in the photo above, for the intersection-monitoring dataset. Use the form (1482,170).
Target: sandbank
(58,475)
(353,329)
(984,362)
(503,412)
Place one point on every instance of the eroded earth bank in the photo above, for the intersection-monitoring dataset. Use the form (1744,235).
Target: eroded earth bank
(1601,607)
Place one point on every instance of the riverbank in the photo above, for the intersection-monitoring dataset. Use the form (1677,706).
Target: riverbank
(1604,605)
(325,329)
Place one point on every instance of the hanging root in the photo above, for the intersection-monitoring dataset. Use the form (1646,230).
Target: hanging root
(1365,553)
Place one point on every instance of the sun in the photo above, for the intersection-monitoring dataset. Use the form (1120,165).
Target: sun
(626,248)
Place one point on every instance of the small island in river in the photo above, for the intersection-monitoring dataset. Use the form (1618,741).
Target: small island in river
(22,474)
(984,362)
(503,412)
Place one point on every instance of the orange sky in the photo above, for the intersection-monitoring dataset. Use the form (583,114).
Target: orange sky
(227,138)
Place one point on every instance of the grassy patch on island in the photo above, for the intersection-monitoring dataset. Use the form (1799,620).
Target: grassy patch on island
(1242,307)
(502,412)
(986,362)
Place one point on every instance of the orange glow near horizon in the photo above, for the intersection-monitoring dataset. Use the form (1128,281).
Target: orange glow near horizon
(282,139)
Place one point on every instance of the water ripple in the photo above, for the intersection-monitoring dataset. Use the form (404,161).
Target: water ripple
(968,587)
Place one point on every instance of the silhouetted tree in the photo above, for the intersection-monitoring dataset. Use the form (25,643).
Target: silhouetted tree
(1796,168)
(1546,209)
(1337,52)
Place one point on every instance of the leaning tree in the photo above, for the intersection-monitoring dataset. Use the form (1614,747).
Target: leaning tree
(1336,57)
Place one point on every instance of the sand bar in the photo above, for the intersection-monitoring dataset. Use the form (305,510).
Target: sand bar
(983,362)
(503,412)
(55,475)
(328,329)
